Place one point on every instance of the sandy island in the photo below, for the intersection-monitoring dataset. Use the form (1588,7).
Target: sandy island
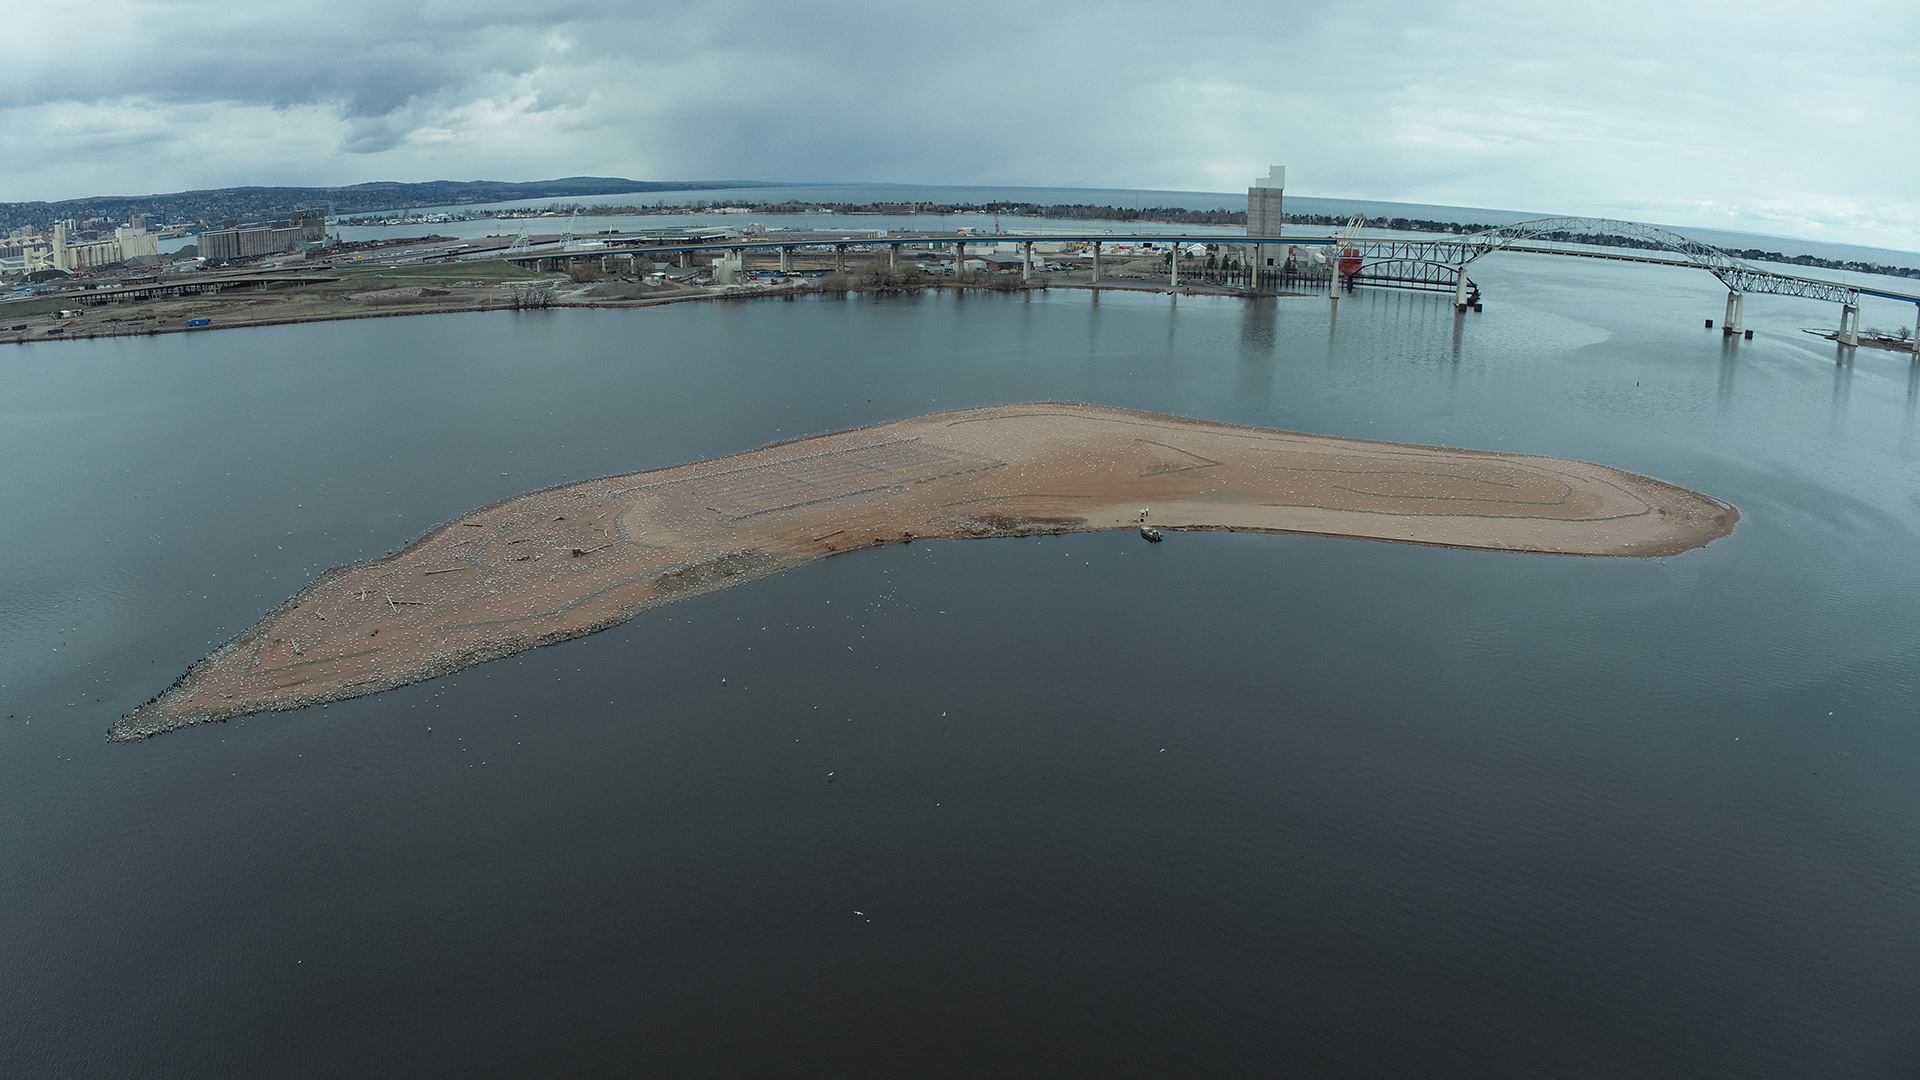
(568,561)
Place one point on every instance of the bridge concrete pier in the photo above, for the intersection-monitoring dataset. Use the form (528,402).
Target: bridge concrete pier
(1173,265)
(1849,325)
(893,257)
(1736,307)
(1026,261)
(959,261)
(1460,291)
(1096,266)
(839,258)
(786,260)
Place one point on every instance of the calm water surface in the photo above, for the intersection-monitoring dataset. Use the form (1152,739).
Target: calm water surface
(1068,806)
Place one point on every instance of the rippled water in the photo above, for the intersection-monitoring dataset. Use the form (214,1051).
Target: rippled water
(1058,806)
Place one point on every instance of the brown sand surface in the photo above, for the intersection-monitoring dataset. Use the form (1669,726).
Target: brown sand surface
(567,561)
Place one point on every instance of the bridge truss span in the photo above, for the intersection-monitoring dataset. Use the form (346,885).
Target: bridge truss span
(1760,281)
(1424,275)
(1401,263)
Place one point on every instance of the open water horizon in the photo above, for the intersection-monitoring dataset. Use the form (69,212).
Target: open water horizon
(1073,805)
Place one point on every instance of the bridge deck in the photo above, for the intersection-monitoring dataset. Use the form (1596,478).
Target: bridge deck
(1445,251)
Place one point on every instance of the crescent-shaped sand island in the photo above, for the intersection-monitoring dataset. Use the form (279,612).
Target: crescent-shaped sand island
(568,561)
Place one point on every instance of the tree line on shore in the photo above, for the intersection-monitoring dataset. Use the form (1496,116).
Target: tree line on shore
(254,204)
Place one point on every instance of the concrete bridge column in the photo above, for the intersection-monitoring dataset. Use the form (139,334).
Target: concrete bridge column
(959,261)
(1849,325)
(1026,261)
(786,260)
(1173,266)
(893,257)
(1460,291)
(839,258)
(1916,332)
(1736,306)
(1096,266)
(686,258)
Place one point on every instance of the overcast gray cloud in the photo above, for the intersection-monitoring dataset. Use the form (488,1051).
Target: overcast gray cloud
(1784,118)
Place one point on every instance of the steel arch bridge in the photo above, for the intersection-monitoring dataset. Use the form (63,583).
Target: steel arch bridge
(1438,264)
(1738,276)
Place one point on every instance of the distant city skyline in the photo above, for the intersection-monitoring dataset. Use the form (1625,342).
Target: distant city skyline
(1769,119)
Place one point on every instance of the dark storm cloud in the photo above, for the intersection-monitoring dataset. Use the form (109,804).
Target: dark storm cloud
(1755,115)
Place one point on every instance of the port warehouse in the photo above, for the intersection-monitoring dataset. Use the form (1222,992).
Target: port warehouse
(222,245)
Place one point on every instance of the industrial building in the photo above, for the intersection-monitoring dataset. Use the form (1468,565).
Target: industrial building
(25,253)
(1263,212)
(729,269)
(125,244)
(222,245)
(31,253)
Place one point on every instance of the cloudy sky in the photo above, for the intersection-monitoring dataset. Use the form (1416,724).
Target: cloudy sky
(1790,118)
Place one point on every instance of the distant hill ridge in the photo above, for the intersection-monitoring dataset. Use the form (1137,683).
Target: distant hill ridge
(264,203)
